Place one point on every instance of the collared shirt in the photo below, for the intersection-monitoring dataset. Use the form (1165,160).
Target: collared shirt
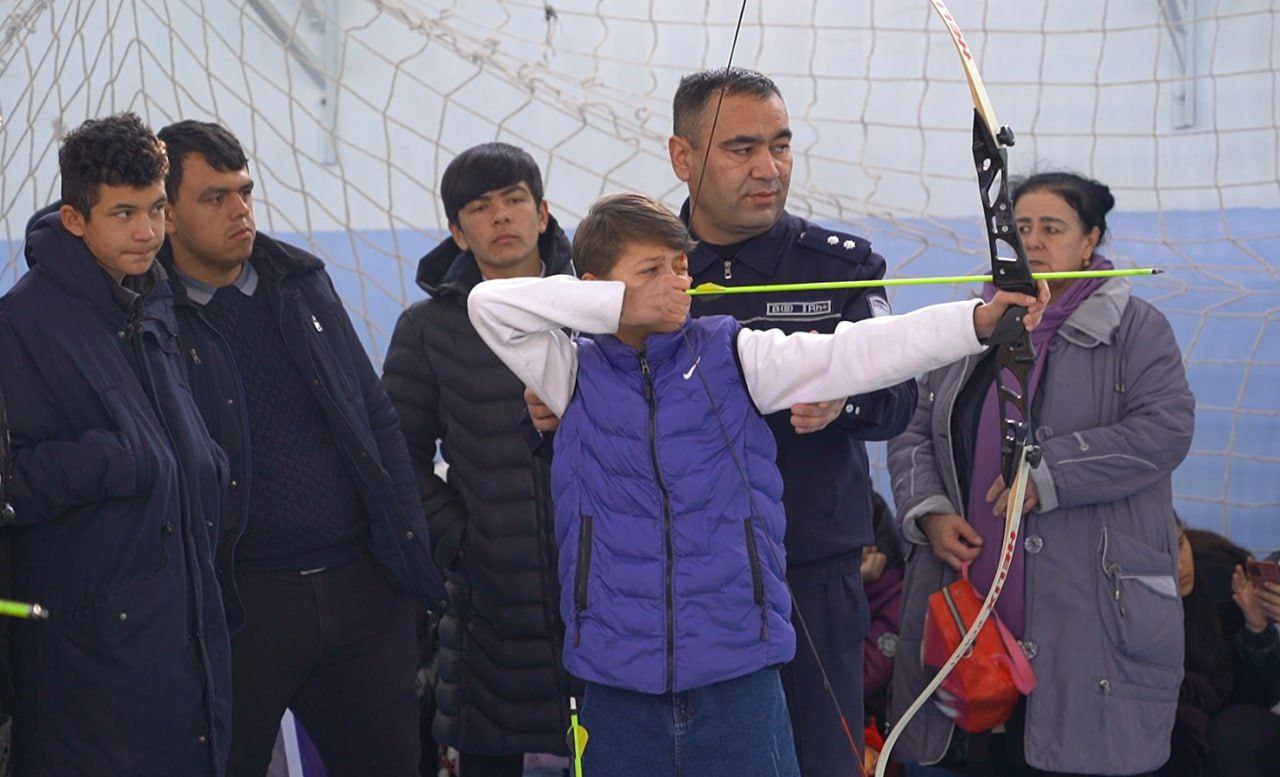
(201,293)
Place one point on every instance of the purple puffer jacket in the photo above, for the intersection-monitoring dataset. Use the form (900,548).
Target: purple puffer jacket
(671,570)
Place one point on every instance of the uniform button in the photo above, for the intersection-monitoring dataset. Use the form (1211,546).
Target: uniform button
(408,535)
(364,454)
(234,484)
(124,616)
(230,401)
(849,244)
(167,527)
(120,334)
(221,572)
(802,234)
(1044,433)
(315,381)
(848,408)
(887,644)
(1033,543)
(1029,648)
(209,524)
(202,739)
(833,240)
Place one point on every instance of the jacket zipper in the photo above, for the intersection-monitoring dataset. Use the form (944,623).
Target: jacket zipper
(195,620)
(243,430)
(757,580)
(547,560)
(669,569)
(581,577)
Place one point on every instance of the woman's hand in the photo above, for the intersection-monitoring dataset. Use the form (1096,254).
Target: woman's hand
(999,495)
(953,540)
(1247,599)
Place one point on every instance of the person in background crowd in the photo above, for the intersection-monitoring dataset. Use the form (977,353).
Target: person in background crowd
(114,486)
(499,687)
(1225,725)
(323,546)
(882,566)
(1113,418)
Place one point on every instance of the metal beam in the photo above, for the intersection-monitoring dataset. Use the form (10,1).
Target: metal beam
(284,32)
(1180,17)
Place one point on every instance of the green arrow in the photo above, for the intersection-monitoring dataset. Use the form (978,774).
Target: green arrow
(22,610)
(710,289)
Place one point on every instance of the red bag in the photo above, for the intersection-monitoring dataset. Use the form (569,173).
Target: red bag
(985,685)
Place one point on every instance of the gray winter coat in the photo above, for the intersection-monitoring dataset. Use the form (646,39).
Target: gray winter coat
(1103,624)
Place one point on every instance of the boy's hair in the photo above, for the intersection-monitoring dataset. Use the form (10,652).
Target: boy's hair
(618,220)
(484,168)
(696,90)
(118,150)
(212,141)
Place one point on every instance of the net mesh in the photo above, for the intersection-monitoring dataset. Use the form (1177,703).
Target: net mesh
(350,110)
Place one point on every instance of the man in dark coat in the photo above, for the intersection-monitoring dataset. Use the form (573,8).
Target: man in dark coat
(747,237)
(499,687)
(323,546)
(115,485)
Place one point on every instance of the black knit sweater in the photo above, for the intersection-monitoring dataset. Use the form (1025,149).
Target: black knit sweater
(305,510)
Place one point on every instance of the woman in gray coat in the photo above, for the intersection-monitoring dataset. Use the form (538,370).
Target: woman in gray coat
(1092,595)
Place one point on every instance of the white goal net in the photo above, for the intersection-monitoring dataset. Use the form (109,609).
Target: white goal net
(351,109)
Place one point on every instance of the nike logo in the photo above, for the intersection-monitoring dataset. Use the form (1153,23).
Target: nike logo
(696,362)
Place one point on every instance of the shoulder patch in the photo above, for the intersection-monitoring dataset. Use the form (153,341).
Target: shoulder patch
(841,244)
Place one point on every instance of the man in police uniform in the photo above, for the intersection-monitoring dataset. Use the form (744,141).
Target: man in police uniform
(747,237)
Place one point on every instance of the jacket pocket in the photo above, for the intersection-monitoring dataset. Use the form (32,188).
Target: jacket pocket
(1138,600)
(582,577)
(757,577)
(123,418)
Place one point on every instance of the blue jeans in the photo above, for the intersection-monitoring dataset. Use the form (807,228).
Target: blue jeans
(738,727)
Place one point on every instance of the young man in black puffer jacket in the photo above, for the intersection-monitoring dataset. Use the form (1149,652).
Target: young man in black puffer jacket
(499,687)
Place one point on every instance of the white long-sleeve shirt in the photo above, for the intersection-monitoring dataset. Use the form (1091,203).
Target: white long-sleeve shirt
(523,321)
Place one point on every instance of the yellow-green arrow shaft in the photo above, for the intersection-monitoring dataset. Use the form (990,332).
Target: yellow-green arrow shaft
(709,289)
(22,610)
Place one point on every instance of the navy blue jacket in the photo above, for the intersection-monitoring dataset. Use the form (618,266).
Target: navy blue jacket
(115,487)
(827,484)
(326,349)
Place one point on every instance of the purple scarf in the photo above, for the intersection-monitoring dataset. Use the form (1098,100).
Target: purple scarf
(986,456)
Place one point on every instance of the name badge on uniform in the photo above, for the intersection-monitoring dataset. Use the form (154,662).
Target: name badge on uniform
(798,309)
